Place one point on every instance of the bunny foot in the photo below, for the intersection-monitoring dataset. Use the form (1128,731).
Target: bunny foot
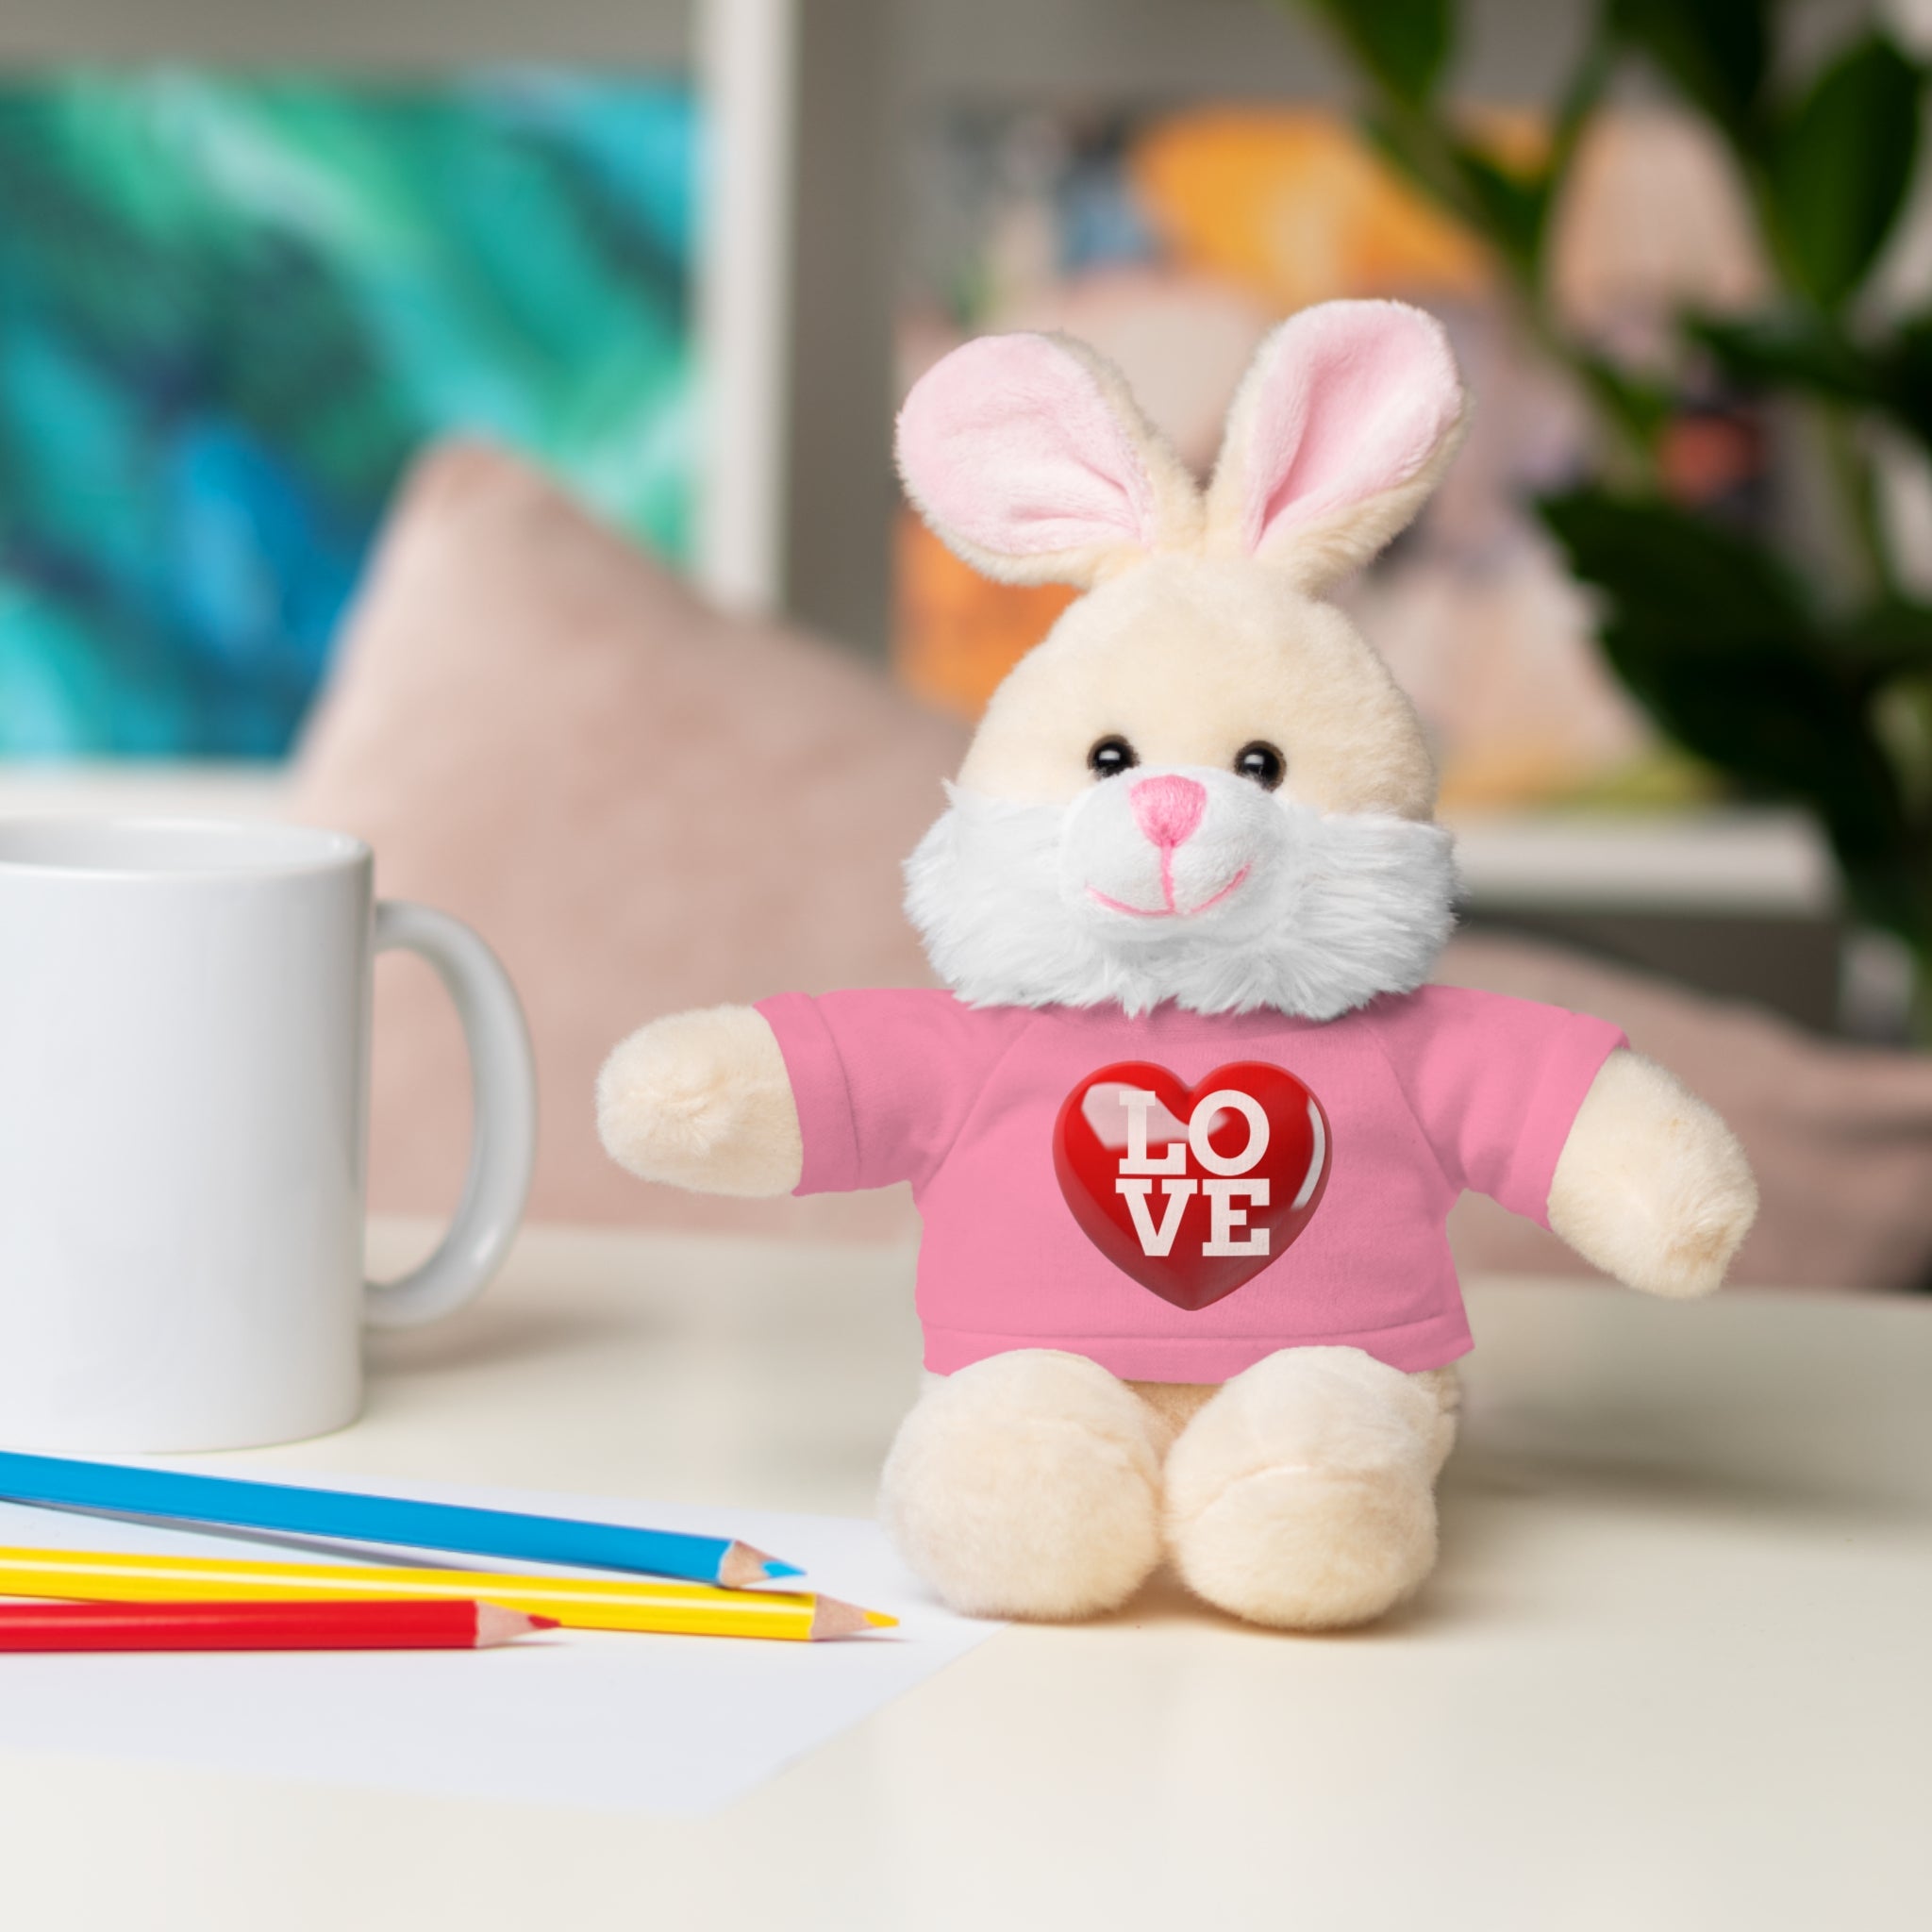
(1027,1486)
(1302,1495)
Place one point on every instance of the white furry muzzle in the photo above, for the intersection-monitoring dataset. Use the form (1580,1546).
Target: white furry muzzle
(1244,900)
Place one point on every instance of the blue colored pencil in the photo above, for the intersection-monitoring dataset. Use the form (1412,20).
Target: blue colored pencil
(346,1517)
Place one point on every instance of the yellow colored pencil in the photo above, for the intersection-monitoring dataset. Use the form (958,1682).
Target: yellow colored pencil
(579,1603)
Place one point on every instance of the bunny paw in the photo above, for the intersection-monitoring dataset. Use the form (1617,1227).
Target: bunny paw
(1028,1485)
(701,1100)
(1652,1186)
(1302,1495)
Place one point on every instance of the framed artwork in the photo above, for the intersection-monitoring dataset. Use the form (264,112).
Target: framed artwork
(232,307)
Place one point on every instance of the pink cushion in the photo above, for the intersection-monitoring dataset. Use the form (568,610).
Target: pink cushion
(641,804)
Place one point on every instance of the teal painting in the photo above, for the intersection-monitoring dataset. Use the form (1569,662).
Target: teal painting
(232,309)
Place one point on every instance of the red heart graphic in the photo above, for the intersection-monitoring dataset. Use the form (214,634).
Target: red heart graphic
(1158,1200)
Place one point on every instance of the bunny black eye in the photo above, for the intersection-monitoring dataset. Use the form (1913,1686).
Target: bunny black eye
(1261,762)
(1110,757)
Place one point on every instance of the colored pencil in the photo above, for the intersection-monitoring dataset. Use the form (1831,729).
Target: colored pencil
(343,1516)
(578,1603)
(458,1624)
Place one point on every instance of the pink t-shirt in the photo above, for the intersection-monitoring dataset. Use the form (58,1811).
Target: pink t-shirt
(1406,1101)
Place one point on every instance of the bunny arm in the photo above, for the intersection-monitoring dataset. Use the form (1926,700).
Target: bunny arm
(1651,1184)
(701,1100)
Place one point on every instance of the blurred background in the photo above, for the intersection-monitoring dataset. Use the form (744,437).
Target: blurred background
(1669,624)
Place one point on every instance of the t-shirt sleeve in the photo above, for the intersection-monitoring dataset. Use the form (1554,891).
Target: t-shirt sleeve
(884,1080)
(1494,1084)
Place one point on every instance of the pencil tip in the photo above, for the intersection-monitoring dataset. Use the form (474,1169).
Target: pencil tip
(741,1566)
(830,1618)
(495,1625)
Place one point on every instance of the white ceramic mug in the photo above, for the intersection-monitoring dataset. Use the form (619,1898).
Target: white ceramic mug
(184,1048)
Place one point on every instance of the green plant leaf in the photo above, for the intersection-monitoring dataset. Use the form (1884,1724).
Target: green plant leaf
(1794,348)
(1403,44)
(1803,349)
(1838,166)
(1509,209)
(1637,404)
(1891,639)
(1414,148)
(1677,572)
(1905,365)
(1717,51)
(1719,644)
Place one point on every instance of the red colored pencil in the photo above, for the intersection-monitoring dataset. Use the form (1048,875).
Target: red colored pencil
(366,1625)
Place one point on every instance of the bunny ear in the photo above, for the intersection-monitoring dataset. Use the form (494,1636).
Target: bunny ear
(1031,461)
(1344,422)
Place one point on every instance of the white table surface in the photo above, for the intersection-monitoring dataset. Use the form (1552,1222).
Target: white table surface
(1675,1671)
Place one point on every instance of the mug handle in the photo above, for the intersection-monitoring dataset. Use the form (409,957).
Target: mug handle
(503,1131)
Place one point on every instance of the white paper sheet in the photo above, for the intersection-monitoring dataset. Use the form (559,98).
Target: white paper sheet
(597,1720)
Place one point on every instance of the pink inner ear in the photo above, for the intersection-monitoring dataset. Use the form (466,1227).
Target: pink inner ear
(1355,399)
(1011,443)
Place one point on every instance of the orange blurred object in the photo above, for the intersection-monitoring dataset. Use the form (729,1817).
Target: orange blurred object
(957,632)
(1295,207)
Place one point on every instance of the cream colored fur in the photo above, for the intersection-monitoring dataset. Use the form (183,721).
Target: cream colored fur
(1177,506)
(1303,1494)
(1325,553)
(1651,1184)
(1034,1485)
(1322,554)
(1300,1494)
(701,1100)
(1190,658)
(1028,1485)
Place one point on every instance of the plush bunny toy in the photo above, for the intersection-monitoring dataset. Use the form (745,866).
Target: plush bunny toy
(1185,1125)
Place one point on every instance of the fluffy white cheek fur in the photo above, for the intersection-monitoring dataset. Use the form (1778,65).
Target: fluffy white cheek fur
(1267,904)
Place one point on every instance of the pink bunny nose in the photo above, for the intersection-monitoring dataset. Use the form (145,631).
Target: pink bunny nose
(1168,809)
